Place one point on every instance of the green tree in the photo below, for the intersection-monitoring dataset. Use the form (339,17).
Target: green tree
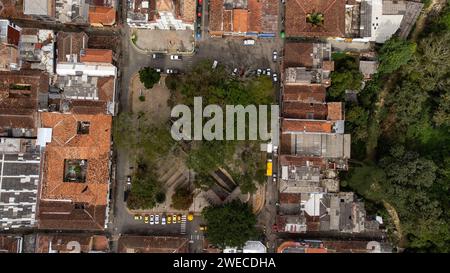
(231,224)
(395,53)
(182,198)
(149,77)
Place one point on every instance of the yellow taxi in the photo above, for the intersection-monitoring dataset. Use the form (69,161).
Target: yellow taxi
(174,218)
(169,219)
(190,217)
(146,219)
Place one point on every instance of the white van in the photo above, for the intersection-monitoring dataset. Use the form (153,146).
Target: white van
(249,42)
(214,64)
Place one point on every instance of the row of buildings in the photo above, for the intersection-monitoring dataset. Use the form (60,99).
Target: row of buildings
(85,243)
(57,100)
(356,20)
(97,13)
(314,148)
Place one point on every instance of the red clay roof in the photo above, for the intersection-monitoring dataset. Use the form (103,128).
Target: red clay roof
(152,244)
(96,56)
(334,111)
(301,161)
(333,12)
(8,244)
(304,93)
(301,110)
(291,125)
(61,243)
(298,55)
(102,15)
(240,20)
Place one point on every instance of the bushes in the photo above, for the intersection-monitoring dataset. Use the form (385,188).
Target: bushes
(149,77)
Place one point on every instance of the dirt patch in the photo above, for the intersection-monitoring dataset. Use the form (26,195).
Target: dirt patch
(154,105)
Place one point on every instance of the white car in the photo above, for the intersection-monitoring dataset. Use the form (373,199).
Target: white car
(215,63)
(234,73)
(152,219)
(175,57)
(249,42)
(274,56)
(258,72)
(163,219)
(159,70)
(169,71)
(274,177)
(275,77)
(268,71)
(157,219)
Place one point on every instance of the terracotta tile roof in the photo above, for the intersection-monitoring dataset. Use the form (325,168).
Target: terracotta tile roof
(68,215)
(13,36)
(291,125)
(328,65)
(334,111)
(333,12)
(227,20)
(240,20)
(61,243)
(8,244)
(255,15)
(18,106)
(215,16)
(70,43)
(8,55)
(96,56)
(290,198)
(67,144)
(298,55)
(269,14)
(300,110)
(304,93)
(152,244)
(301,161)
(188,11)
(102,15)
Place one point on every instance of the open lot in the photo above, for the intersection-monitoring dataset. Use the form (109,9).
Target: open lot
(169,41)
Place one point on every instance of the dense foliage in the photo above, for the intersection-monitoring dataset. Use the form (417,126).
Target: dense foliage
(149,77)
(411,169)
(182,198)
(217,86)
(345,77)
(147,143)
(231,224)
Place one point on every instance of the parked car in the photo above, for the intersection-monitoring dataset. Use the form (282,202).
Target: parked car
(234,73)
(128,180)
(169,219)
(190,217)
(159,70)
(274,56)
(152,219)
(268,71)
(175,57)
(157,219)
(138,217)
(275,77)
(275,148)
(249,42)
(126,193)
(258,72)
(146,219)
(157,55)
(274,177)
(203,227)
(163,219)
(174,218)
(200,2)
(215,63)
(179,217)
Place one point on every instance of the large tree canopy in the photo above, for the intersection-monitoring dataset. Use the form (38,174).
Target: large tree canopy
(149,77)
(231,224)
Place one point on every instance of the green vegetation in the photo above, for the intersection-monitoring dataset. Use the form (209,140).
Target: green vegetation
(149,77)
(141,98)
(406,108)
(345,77)
(134,37)
(315,18)
(147,143)
(182,198)
(231,224)
(216,86)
